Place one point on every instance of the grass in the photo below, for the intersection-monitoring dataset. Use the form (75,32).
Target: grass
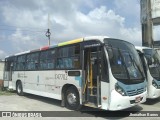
(7,92)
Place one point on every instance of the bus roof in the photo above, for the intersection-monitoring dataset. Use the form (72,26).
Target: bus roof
(101,38)
(140,48)
(82,39)
(95,37)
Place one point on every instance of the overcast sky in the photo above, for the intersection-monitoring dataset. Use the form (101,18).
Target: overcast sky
(23,23)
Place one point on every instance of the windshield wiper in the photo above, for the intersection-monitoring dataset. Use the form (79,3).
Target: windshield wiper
(124,63)
(134,63)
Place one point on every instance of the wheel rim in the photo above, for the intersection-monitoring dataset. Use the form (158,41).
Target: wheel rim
(19,89)
(71,98)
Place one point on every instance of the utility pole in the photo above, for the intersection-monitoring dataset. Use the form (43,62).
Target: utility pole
(150,17)
(147,26)
(48,33)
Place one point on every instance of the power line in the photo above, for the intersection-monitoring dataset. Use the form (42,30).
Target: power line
(34,38)
(39,35)
(19,30)
(21,27)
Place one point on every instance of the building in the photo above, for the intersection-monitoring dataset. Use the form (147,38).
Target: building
(1,72)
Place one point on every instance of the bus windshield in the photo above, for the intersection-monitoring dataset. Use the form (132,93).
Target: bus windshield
(153,62)
(125,63)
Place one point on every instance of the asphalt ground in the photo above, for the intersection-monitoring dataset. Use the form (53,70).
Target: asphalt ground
(32,107)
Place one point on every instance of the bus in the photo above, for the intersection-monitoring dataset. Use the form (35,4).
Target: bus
(151,65)
(95,71)
(158,50)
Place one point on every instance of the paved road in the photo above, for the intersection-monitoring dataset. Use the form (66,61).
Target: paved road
(37,103)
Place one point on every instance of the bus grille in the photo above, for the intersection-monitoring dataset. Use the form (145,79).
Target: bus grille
(135,92)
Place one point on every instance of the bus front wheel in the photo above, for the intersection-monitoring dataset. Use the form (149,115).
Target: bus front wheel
(19,88)
(72,98)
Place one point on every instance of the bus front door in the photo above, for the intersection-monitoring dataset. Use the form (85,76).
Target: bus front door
(92,68)
(8,73)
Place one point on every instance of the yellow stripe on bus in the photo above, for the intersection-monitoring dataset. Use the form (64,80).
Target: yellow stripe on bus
(71,42)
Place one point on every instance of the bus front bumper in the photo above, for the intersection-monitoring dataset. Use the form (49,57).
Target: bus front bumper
(119,102)
(153,93)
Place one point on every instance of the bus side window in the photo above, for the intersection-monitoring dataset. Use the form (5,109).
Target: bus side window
(76,62)
(32,61)
(21,62)
(60,63)
(51,59)
(43,62)
(68,57)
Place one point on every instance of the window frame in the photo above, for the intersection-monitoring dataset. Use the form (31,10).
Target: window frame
(54,58)
(32,61)
(69,56)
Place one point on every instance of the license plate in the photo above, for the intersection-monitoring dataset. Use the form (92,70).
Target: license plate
(138,99)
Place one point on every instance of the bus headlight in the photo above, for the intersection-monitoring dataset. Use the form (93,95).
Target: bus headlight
(120,90)
(154,84)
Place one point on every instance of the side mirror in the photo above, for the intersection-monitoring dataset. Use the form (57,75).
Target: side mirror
(149,60)
(110,53)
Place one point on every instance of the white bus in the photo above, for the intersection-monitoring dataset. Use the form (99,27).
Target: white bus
(151,65)
(158,50)
(97,71)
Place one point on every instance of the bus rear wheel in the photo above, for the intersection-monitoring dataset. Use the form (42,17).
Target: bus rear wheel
(19,88)
(72,99)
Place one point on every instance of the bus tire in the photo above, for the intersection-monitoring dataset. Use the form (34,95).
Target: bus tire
(19,89)
(72,99)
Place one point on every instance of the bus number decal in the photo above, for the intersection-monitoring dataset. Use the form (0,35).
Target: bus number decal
(21,75)
(61,76)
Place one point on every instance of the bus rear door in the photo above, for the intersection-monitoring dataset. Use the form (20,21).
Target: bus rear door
(8,72)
